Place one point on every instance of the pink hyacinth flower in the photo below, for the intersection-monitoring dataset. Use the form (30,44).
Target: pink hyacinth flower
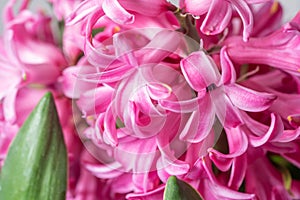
(280,49)
(219,13)
(217,94)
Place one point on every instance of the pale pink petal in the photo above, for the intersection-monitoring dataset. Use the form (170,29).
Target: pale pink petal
(182,106)
(74,86)
(116,12)
(164,43)
(136,155)
(9,106)
(95,101)
(104,171)
(110,133)
(84,9)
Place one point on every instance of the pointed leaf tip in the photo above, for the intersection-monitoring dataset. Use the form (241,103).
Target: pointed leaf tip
(36,163)
(177,189)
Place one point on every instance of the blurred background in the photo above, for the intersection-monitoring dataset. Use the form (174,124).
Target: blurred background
(290,7)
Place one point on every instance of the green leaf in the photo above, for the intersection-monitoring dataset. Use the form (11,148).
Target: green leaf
(177,189)
(36,164)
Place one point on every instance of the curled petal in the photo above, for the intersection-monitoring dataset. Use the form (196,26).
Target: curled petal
(294,120)
(107,76)
(184,106)
(72,85)
(228,114)
(116,12)
(110,133)
(164,43)
(288,135)
(199,70)
(84,9)
(136,154)
(246,15)
(217,18)
(197,7)
(95,101)
(238,171)
(221,162)
(96,53)
(159,91)
(154,194)
(276,128)
(247,99)
(145,181)
(109,170)
(200,122)
(228,71)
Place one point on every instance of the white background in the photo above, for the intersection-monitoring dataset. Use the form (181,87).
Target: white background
(291,7)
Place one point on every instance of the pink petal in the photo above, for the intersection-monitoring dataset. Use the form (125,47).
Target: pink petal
(238,144)
(221,192)
(142,124)
(228,71)
(276,128)
(164,43)
(95,101)
(246,15)
(228,114)
(197,7)
(247,99)
(200,122)
(158,91)
(110,133)
(288,135)
(9,106)
(104,171)
(222,162)
(96,53)
(126,43)
(84,9)
(151,195)
(238,171)
(136,154)
(144,7)
(116,12)
(73,86)
(199,70)
(183,106)
(217,18)
(145,181)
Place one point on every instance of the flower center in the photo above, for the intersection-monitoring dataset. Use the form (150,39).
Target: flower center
(211,87)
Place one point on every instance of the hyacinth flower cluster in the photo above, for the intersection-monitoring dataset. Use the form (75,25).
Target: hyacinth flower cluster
(204,90)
